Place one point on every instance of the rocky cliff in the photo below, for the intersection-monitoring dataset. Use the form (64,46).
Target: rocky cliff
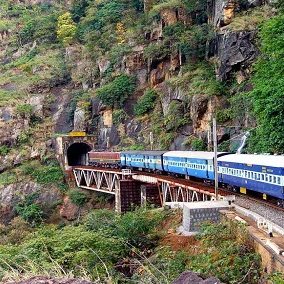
(123,71)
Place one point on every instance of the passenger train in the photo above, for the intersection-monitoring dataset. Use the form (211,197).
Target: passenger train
(259,174)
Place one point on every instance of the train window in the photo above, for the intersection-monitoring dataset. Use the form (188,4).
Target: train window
(262,177)
(278,180)
(266,177)
(274,179)
(270,178)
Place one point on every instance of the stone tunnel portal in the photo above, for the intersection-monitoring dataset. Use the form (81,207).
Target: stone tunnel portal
(77,154)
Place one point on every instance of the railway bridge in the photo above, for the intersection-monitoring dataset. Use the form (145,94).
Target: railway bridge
(133,188)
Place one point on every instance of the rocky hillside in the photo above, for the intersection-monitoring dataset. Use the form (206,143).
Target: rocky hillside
(128,70)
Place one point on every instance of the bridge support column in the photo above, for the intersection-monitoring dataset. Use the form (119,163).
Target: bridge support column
(130,195)
(150,195)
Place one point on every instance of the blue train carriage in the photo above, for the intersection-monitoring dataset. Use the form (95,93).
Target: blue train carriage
(197,164)
(151,160)
(260,173)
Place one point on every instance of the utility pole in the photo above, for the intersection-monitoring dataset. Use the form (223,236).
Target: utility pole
(215,156)
(107,142)
(151,138)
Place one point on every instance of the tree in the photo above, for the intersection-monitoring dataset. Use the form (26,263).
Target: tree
(267,95)
(66,29)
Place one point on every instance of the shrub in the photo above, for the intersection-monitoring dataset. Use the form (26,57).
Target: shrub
(146,103)
(7,178)
(48,174)
(29,210)
(198,144)
(175,118)
(156,50)
(66,29)
(119,116)
(135,227)
(4,150)
(78,197)
(223,115)
(115,93)
(24,110)
(15,232)
(72,248)
(24,137)
(101,220)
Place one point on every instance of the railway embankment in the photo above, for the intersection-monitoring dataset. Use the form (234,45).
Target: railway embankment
(267,239)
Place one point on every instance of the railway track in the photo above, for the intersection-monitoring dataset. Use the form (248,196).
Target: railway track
(265,209)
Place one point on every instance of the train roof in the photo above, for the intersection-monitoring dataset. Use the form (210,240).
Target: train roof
(262,160)
(150,152)
(193,154)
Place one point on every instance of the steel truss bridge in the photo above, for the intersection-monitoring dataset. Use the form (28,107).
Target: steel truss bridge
(136,188)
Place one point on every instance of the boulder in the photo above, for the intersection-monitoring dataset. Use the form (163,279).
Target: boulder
(68,209)
(235,51)
(189,277)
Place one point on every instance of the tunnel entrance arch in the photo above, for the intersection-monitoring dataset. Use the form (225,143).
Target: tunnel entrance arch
(77,153)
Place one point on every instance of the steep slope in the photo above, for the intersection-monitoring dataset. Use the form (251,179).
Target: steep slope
(131,70)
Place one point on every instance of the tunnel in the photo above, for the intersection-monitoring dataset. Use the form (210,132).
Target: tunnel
(77,154)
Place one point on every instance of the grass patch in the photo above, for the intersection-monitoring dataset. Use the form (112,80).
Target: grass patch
(7,178)
(251,19)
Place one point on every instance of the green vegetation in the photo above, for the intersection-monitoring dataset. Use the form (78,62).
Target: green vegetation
(104,241)
(4,150)
(251,19)
(267,94)
(198,79)
(226,245)
(119,116)
(29,210)
(66,29)
(115,93)
(89,249)
(197,144)
(78,197)
(24,110)
(49,172)
(7,178)
(146,103)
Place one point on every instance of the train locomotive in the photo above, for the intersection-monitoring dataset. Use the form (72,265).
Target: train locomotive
(262,175)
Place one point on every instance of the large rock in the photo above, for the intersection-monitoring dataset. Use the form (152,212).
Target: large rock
(135,64)
(235,51)
(11,194)
(189,277)
(170,94)
(68,209)
(222,12)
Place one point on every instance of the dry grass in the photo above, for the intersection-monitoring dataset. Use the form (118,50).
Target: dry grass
(250,19)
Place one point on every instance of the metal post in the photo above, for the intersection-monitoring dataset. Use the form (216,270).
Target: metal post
(215,156)
(107,142)
(151,138)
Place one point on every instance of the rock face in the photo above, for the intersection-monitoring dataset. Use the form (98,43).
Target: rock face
(11,194)
(235,51)
(222,12)
(189,277)
(79,120)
